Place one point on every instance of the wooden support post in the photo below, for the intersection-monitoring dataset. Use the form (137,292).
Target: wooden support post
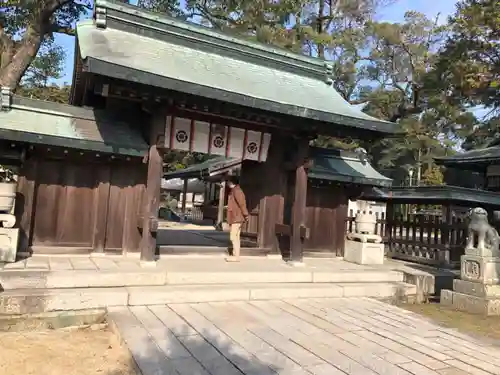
(445,254)
(389,224)
(184,195)
(153,188)
(299,230)
(222,200)
(101,208)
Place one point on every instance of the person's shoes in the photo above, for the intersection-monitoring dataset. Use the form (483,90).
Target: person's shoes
(232,259)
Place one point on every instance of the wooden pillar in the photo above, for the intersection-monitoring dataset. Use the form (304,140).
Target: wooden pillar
(25,205)
(444,255)
(299,230)
(184,194)
(101,208)
(222,200)
(389,224)
(153,187)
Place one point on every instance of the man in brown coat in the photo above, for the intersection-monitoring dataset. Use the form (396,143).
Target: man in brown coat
(237,214)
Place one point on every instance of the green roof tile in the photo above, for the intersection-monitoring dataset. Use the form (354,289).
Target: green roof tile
(35,121)
(333,165)
(483,155)
(162,52)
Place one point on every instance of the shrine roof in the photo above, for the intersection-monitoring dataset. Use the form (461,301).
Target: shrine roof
(47,123)
(472,158)
(435,195)
(128,43)
(343,166)
(216,165)
(327,164)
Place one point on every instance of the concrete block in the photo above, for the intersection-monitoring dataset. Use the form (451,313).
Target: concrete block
(9,239)
(162,295)
(289,292)
(470,304)
(446,297)
(364,252)
(378,289)
(485,270)
(103,279)
(80,279)
(24,301)
(476,289)
(23,279)
(367,276)
(189,278)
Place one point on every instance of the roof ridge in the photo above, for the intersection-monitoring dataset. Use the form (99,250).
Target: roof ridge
(130,18)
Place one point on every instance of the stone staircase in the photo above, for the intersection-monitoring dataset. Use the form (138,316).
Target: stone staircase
(35,291)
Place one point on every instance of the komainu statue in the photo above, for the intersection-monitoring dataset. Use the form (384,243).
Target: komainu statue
(487,236)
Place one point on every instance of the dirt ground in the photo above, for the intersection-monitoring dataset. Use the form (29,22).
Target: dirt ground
(486,326)
(81,352)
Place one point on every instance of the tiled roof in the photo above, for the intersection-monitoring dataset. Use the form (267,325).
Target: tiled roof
(36,121)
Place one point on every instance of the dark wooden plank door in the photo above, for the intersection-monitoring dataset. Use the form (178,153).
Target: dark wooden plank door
(65,195)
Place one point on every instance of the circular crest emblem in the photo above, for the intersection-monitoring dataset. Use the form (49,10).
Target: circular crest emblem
(218,142)
(181,136)
(252,148)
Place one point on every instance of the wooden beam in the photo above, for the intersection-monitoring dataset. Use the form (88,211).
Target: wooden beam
(299,231)
(26,199)
(153,188)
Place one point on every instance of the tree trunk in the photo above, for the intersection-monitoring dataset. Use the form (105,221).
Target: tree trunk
(16,63)
(321,11)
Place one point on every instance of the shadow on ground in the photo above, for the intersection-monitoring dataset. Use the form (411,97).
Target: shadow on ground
(188,352)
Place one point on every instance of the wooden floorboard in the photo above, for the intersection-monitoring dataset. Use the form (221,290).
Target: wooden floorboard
(314,336)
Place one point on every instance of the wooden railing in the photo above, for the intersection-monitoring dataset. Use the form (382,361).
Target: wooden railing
(422,239)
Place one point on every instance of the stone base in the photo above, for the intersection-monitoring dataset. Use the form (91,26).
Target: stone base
(9,239)
(364,252)
(482,252)
(478,269)
(476,289)
(470,303)
(363,237)
(148,264)
(294,263)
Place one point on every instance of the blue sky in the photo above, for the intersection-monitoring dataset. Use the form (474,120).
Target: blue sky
(392,13)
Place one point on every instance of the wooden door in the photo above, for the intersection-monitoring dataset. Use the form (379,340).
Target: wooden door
(64,214)
(326,215)
(124,207)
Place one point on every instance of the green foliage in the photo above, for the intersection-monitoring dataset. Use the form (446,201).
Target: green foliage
(170,7)
(175,160)
(26,25)
(468,68)
(470,62)
(51,93)
(433,176)
(46,66)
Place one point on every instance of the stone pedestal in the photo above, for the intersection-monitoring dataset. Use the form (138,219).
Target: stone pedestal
(478,291)
(364,252)
(9,239)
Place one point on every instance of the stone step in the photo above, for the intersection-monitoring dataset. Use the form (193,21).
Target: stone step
(24,301)
(10,280)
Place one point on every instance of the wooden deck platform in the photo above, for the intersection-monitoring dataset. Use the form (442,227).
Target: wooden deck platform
(296,337)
